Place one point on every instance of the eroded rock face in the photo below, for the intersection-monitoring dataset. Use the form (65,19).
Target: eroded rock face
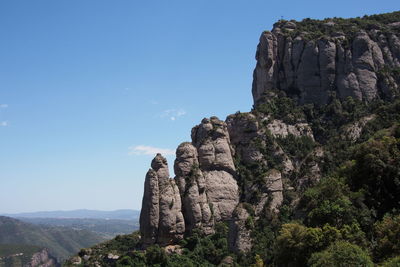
(42,259)
(192,187)
(271,191)
(211,139)
(280,129)
(161,218)
(204,191)
(240,230)
(353,131)
(310,70)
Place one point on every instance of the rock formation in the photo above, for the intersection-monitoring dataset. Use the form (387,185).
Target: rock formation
(42,259)
(161,219)
(204,191)
(238,171)
(312,69)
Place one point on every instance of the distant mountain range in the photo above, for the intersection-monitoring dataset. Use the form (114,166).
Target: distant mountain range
(123,214)
(60,241)
(107,228)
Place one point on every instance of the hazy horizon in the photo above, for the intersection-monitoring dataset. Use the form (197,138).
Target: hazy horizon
(91,90)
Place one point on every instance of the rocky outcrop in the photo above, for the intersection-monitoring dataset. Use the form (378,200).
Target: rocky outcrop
(310,70)
(353,131)
(204,191)
(240,230)
(208,188)
(42,259)
(211,139)
(161,219)
(280,129)
(192,186)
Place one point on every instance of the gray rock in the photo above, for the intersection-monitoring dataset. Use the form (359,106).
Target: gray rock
(161,218)
(353,131)
(280,129)
(310,71)
(192,187)
(240,230)
(211,139)
(271,192)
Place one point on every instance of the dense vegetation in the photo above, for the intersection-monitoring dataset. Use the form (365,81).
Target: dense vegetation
(314,29)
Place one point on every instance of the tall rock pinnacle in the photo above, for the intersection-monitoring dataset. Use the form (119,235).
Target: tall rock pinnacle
(161,219)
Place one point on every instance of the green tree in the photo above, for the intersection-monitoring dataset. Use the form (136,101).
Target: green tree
(376,172)
(341,254)
(156,256)
(387,234)
(295,244)
(329,202)
(393,262)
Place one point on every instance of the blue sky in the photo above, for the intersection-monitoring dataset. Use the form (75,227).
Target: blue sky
(89,90)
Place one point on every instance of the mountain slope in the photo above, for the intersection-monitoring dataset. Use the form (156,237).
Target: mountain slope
(61,242)
(309,177)
(25,255)
(104,227)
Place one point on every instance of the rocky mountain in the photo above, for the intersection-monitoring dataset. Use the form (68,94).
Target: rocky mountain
(310,175)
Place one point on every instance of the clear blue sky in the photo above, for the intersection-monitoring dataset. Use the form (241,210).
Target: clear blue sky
(84,83)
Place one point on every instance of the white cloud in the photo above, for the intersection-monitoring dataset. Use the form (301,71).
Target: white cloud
(3,105)
(3,123)
(173,114)
(150,150)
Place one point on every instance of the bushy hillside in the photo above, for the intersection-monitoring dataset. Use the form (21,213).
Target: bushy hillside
(107,228)
(60,241)
(17,255)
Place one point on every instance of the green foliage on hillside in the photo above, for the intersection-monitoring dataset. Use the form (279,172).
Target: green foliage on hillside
(12,255)
(61,242)
(196,250)
(107,228)
(341,254)
(315,29)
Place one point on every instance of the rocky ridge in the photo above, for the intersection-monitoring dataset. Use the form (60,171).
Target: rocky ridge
(356,63)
